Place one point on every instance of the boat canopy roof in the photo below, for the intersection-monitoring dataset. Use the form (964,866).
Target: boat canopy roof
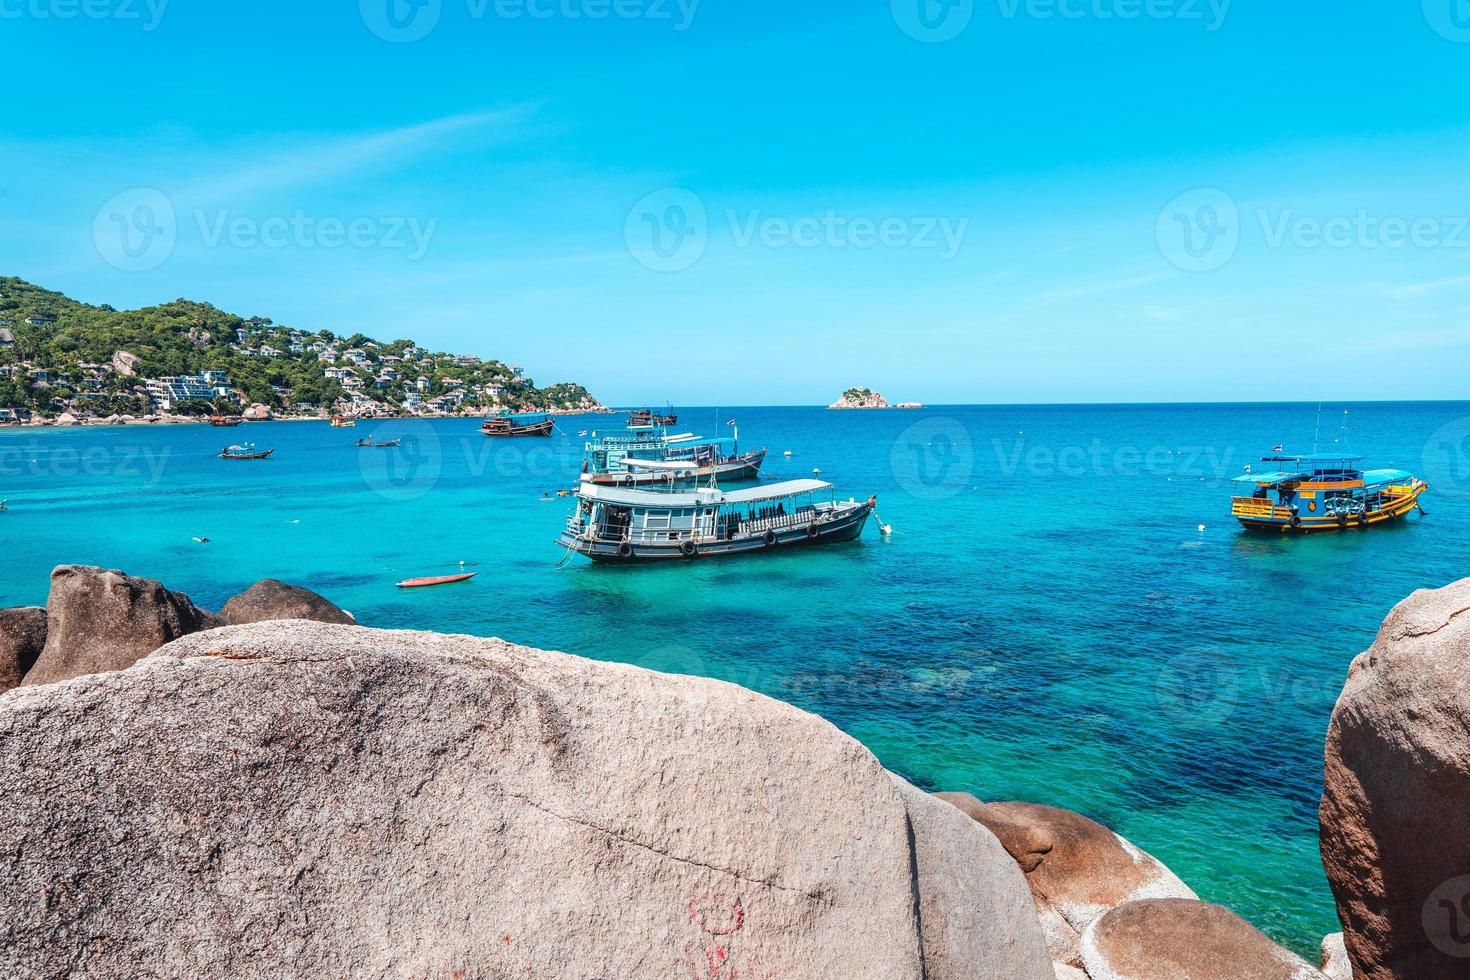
(698,497)
(687,465)
(1377,478)
(526,417)
(1319,460)
(1271,479)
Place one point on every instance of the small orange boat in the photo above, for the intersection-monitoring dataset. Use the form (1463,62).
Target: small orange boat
(419,583)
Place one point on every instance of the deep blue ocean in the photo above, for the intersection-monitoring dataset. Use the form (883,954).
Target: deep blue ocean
(1065,612)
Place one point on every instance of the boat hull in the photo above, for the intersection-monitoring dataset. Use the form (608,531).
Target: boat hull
(1280,522)
(846,527)
(742,469)
(520,431)
(247,456)
(424,583)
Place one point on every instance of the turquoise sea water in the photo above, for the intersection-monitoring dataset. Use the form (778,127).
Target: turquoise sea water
(1047,621)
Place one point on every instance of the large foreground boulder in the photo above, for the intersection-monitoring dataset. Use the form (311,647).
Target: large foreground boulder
(100,620)
(269,599)
(1395,814)
(297,799)
(1077,869)
(22,637)
(1182,939)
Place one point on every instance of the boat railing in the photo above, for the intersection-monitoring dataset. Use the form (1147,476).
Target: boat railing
(1256,507)
(801,517)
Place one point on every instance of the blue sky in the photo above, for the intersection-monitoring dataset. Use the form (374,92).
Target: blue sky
(759,202)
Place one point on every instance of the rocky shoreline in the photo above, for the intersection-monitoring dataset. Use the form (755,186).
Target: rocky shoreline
(274,790)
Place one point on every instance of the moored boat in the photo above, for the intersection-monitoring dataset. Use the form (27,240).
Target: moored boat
(247,451)
(342,422)
(225,421)
(634,460)
(620,525)
(421,583)
(647,418)
(1324,492)
(523,424)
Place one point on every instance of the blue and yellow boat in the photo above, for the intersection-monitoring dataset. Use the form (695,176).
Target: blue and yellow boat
(1324,492)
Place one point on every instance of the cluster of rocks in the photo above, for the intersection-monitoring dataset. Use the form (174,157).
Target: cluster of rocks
(272,790)
(860,398)
(97,620)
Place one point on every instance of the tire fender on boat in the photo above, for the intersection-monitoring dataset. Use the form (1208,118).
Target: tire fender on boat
(769,538)
(1296,520)
(688,549)
(812,530)
(625,550)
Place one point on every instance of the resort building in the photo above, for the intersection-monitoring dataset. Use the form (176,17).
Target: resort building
(167,393)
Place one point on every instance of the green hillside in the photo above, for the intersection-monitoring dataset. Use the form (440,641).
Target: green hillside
(73,359)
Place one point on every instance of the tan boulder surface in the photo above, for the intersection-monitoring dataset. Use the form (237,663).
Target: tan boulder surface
(22,637)
(269,599)
(1395,814)
(1183,939)
(1335,962)
(1076,868)
(100,620)
(299,799)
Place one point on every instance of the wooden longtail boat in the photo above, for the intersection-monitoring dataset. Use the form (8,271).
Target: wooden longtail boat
(613,524)
(245,452)
(225,421)
(509,426)
(420,583)
(646,418)
(1323,492)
